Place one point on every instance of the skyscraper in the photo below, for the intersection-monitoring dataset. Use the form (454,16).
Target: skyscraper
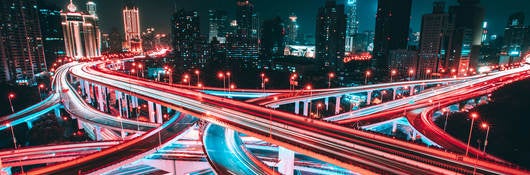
(292,30)
(131,24)
(352,24)
(465,43)
(391,32)
(218,25)
(330,34)
(52,32)
(243,44)
(82,37)
(433,40)
(272,40)
(516,37)
(185,32)
(21,47)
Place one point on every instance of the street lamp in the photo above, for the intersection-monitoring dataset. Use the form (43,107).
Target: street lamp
(392,74)
(13,135)
(487,127)
(446,112)
(428,74)
(368,73)
(265,81)
(222,76)
(383,93)
(10,97)
(198,73)
(228,74)
(262,80)
(411,73)
(473,117)
(319,105)
(41,86)
(330,76)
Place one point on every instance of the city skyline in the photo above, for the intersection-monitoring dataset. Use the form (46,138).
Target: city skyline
(157,15)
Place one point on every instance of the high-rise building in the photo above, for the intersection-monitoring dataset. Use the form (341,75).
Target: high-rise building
(131,24)
(184,33)
(516,37)
(352,24)
(82,37)
(465,42)
(272,40)
(404,61)
(292,30)
(391,32)
(330,34)
(52,32)
(433,40)
(21,46)
(115,40)
(218,25)
(243,44)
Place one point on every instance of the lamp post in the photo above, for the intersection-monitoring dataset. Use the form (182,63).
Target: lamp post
(319,105)
(10,97)
(368,73)
(446,113)
(140,68)
(392,74)
(222,77)
(265,81)
(411,73)
(487,127)
(330,76)
(198,73)
(228,74)
(310,88)
(428,74)
(13,135)
(383,93)
(262,75)
(473,117)
(41,86)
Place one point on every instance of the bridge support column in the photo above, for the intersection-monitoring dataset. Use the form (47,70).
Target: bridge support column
(29,124)
(100,99)
(411,91)
(120,103)
(286,161)
(297,107)
(394,127)
(79,124)
(57,112)
(151,111)
(306,108)
(87,89)
(159,114)
(97,133)
(337,104)
(394,93)
(326,102)
(368,97)
(5,170)
(82,86)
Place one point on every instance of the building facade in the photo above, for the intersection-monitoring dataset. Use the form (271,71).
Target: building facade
(352,24)
(330,34)
(433,40)
(82,37)
(22,56)
(184,35)
(131,24)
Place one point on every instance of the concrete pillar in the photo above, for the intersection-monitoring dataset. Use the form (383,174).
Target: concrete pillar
(29,124)
(118,97)
(151,111)
(326,102)
(97,133)
(79,124)
(82,85)
(286,161)
(101,100)
(394,127)
(368,97)
(337,104)
(127,105)
(306,108)
(87,89)
(57,112)
(297,107)
(411,90)
(159,114)
(394,93)
(5,170)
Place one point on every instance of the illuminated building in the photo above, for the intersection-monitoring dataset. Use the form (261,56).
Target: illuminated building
(516,36)
(243,44)
(292,30)
(22,56)
(272,41)
(352,24)
(299,51)
(391,32)
(131,24)
(82,37)
(184,33)
(52,32)
(330,34)
(433,42)
(218,25)
(403,61)
(465,42)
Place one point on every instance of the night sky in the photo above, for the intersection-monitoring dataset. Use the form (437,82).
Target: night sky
(158,14)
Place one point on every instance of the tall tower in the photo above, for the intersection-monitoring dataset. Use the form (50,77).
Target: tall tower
(131,24)
(352,23)
(21,46)
(330,34)
(82,37)
(292,30)
(516,36)
(91,8)
(243,43)
(433,40)
(185,34)
(391,32)
(218,25)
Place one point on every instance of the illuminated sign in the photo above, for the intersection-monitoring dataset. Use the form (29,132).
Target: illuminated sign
(364,56)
